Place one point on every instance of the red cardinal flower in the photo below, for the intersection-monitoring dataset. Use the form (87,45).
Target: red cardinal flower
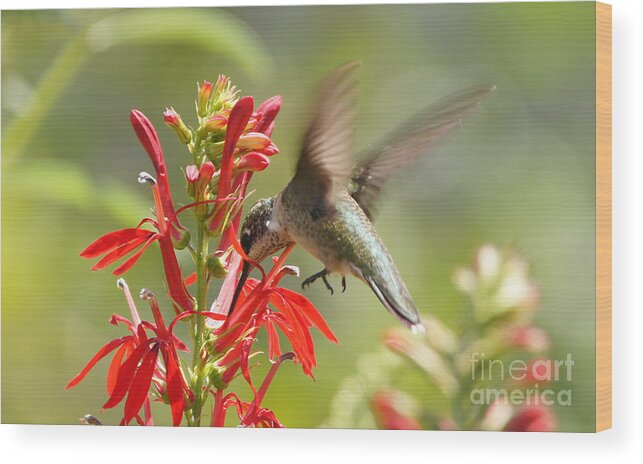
(145,363)
(136,365)
(263,303)
(118,244)
(250,414)
(248,138)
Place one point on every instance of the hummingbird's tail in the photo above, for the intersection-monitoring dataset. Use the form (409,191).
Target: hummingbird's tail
(401,305)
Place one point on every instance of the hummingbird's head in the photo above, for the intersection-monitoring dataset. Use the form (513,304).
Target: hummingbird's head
(257,240)
(255,230)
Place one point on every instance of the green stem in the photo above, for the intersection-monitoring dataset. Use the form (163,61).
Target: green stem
(201,300)
(22,129)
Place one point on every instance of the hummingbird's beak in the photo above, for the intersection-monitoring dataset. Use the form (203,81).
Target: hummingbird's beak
(242,280)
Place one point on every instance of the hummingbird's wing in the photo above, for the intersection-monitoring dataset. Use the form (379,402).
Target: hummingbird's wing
(325,164)
(410,141)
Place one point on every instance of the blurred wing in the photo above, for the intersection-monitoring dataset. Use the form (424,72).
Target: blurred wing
(325,164)
(412,140)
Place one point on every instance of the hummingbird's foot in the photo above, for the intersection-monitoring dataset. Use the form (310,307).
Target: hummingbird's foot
(343,284)
(323,273)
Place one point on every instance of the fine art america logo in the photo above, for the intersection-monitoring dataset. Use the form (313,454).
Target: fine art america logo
(535,374)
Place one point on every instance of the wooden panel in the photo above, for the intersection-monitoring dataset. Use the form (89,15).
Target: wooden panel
(603,216)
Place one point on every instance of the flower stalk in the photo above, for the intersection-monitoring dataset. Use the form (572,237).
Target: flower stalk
(147,365)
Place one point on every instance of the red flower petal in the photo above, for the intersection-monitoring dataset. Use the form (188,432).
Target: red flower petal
(100,354)
(117,318)
(129,262)
(148,137)
(114,239)
(173,275)
(253,161)
(239,116)
(140,384)
(309,310)
(190,280)
(268,111)
(174,382)
(125,375)
(115,365)
(274,349)
(246,346)
(294,328)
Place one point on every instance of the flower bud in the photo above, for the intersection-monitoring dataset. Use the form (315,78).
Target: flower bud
(214,123)
(203,98)
(254,141)
(205,173)
(191,176)
(270,150)
(268,111)
(216,267)
(180,236)
(222,83)
(191,173)
(173,120)
(253,161)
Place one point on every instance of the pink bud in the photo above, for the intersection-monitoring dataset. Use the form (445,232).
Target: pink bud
(191,173)
(253,161)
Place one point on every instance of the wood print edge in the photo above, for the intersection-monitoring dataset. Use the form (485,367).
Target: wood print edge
(603,216)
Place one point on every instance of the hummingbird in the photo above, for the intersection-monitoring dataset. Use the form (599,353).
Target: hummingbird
(328,206)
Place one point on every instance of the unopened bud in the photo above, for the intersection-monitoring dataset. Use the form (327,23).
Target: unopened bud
(173,120)
(191,173)
(254,141)
(180,236)
(214,123)
(203,98)
(222,83)
(270,150)
(216,267)
(253,161)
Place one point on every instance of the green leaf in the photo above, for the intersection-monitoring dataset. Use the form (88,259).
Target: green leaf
(215,31)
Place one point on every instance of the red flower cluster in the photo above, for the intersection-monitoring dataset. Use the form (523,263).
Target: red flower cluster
(146,363)
(135,365)
(291,312)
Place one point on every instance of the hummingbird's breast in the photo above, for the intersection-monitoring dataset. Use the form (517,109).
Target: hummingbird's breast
(345,241)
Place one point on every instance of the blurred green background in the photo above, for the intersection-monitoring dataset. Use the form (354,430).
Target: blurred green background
(519,171)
